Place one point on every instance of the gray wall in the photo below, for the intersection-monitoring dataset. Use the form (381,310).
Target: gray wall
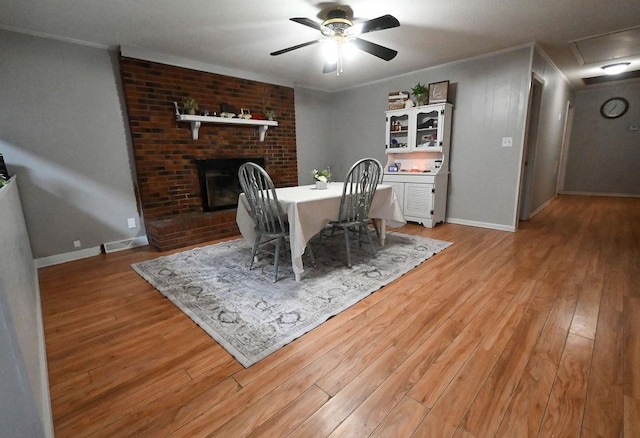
(69,141)
(490,102)
(63,130)
(604,155)
(546,163)
(25,410)
(313,127)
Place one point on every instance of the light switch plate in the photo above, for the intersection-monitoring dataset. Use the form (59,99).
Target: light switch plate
(131,222)
(507,142)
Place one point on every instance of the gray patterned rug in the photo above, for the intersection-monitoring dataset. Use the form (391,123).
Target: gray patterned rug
(249,315)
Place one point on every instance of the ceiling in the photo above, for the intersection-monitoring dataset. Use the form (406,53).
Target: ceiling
(239,35)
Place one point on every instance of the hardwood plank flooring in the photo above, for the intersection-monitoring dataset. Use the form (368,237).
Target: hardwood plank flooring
(532,333)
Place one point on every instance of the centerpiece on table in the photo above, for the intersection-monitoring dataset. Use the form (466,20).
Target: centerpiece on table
(322,177)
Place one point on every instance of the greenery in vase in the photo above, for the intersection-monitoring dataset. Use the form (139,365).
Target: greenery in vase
(323,175)
(190,104)
(3,181)
(270,114)
(419,91)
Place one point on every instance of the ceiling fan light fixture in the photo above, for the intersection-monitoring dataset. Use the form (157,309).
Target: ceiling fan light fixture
(348,49)
(330,50)
(336,24)
(340,38)
(617,68)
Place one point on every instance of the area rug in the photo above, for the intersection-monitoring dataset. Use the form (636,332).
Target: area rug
(250,315)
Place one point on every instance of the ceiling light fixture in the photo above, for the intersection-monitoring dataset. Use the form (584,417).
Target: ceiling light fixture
(339,33)
(341,37)
(617,68)
(334,49)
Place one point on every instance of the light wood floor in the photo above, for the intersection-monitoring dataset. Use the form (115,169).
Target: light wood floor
(533,333)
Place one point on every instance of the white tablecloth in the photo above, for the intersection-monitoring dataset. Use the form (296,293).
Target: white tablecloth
(309,210)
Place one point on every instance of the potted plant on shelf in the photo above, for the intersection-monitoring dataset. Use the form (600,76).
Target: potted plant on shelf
(269,114)
(322,177)
(190,105)
(420,93)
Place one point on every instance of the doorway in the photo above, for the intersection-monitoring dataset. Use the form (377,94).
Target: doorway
(564,152)
(531,138)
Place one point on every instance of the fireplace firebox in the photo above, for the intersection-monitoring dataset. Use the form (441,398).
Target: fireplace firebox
(219,184)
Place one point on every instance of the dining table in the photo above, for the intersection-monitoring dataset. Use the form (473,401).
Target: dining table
(310,209)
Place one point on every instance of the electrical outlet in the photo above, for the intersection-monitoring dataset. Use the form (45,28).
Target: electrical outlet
(131,222)
(77,244)
(507,142)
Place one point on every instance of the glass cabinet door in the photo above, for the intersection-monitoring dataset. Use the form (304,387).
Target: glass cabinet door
(426,137)
(398,131)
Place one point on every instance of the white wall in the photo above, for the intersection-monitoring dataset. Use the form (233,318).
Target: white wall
(25,409)
(604,154)
(63,130)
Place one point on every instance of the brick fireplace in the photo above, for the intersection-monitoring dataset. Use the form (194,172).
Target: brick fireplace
(165,153)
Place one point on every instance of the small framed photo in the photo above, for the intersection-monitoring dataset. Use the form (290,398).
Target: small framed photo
(438,92)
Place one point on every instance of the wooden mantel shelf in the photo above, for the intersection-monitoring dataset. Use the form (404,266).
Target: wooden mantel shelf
(197,121)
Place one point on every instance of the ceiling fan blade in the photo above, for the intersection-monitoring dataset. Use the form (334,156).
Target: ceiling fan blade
(376,50)
(307,22)
(380,23)
(330,67)
(299,46)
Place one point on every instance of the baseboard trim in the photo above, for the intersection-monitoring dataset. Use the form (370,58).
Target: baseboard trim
(614,195)
(542,207)
(67,257)
(498,227)
(110,247)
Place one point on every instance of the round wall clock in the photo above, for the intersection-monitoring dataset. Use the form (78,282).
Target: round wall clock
(614,107)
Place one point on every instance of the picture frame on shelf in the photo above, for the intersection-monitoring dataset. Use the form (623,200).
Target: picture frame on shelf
(227,108)
(438,92)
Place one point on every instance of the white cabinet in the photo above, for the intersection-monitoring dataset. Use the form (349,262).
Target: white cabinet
(423,197)
(423,128)
(418,141)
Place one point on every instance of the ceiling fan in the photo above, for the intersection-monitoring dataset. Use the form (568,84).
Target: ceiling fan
(338,32)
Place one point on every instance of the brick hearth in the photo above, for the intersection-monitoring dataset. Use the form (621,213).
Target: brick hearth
(165,153)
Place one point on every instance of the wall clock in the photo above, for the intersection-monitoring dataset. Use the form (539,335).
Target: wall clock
(614,107)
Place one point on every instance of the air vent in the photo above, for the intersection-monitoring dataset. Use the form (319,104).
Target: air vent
(121,245)
(612,46)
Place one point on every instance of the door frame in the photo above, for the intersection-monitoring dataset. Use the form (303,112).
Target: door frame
(534,107)
(564,151)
